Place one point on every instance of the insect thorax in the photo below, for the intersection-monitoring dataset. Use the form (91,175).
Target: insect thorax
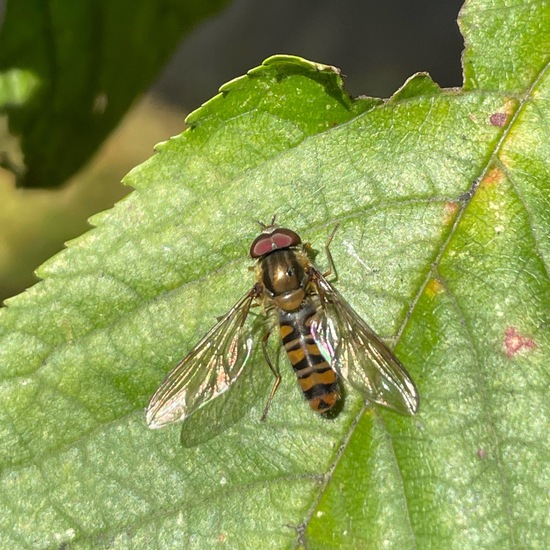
(284,278)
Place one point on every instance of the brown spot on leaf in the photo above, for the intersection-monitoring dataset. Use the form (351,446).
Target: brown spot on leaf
(481,454)
(450,211)
(514,342)
(498,119)
(495,175)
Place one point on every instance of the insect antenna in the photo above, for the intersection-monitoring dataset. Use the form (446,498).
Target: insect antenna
(266,226)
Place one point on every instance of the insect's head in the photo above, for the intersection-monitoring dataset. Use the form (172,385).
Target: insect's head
(273,238)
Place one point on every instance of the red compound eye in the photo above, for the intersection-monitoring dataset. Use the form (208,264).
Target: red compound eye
(273,239)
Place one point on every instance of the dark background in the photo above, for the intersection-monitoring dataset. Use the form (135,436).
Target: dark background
(377,45)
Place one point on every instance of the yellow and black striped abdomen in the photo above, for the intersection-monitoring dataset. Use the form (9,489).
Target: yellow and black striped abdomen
(316,377)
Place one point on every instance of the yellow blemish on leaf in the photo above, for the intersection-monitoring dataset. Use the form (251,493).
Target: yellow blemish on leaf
(434,287)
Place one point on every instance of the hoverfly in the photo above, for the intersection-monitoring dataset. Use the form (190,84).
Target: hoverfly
(324,338)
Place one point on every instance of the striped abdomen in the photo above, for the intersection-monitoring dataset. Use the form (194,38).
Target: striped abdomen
(316,377)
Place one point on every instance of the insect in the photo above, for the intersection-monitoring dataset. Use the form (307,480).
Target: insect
(324,338)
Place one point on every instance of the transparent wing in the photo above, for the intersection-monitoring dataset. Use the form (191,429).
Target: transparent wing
(357,353)
(207,370)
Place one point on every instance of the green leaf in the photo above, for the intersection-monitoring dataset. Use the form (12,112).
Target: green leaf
(442,200)
(70,70)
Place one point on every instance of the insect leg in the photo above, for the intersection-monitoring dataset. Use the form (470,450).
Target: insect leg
(331,266)
(275,373)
